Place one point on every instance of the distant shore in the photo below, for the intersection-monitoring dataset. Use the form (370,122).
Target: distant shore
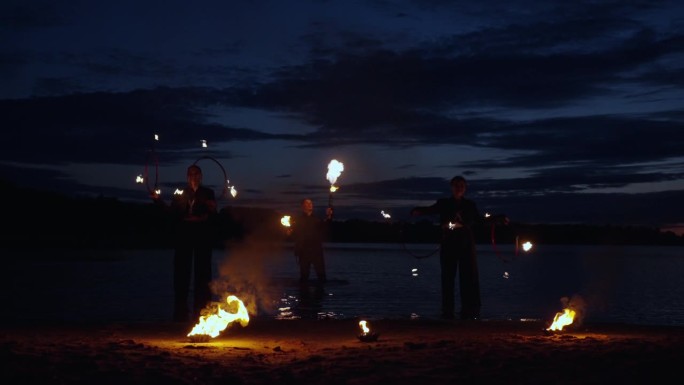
(40,219)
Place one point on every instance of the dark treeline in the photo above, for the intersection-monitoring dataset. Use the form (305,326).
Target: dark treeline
(47,220)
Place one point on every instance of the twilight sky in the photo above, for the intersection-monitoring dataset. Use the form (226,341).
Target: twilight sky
(555,111)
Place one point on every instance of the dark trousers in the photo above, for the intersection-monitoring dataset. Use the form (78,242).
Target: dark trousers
(306,261)
(192,255)
(458,255)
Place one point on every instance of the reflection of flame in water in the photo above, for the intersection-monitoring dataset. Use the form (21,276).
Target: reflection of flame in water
(335,168)
(285,220)
(213,324)
(364,327)
(562,319)
(139,179)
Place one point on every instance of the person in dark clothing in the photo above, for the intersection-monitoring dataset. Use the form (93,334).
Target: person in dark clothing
(192,211)
(457,216)
(308,232)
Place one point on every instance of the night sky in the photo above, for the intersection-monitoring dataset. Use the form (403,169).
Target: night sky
(555,111)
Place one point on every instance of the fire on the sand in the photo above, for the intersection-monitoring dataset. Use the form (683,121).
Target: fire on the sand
(212,325)
(366,335)
(562,320)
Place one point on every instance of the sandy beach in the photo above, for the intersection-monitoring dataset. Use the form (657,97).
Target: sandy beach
(330,352)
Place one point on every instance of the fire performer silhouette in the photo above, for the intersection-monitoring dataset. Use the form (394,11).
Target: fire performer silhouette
(192,211)
(457,216)
(308,232)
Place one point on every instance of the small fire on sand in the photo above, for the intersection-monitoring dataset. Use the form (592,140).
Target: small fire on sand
(367,335)
(211,325)
(562,319)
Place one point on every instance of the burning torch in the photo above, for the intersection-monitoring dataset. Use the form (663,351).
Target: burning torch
(335,168)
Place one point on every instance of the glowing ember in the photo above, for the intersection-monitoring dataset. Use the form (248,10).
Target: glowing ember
(385,215)
(178,192)
(454,225)
(139,179)
(562,319)
(213,324)
(285,221)
(335,169)
(527,246)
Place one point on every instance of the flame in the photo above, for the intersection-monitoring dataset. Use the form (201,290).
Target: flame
(487,215)
(213,324)
(335,168)
(157,192)
(233,191)
(285,221)
(527,246)
(363,326)
(333,189)
(156,137)
(178,192)
(204,143)
(139,179)
(385,215)
(562,319)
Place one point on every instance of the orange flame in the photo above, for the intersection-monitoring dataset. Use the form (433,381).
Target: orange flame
(364,327)
(335,169)
(213,324)
(562,319)
(285,220)
(527,246)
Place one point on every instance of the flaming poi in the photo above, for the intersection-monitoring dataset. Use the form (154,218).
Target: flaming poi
(285,221)
(211,325)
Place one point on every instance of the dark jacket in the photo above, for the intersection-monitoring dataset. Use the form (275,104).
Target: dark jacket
(308,233)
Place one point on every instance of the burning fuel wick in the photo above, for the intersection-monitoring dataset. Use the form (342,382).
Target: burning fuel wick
(366,335)
(335,168)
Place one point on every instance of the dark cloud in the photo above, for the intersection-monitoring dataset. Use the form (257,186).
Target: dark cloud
(33,14)
(112,128)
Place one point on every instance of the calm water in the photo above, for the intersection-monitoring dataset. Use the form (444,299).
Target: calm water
(638,285)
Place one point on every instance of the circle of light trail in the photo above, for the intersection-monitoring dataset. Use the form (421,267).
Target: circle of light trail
(227,189)
(402,241)
(151,157)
